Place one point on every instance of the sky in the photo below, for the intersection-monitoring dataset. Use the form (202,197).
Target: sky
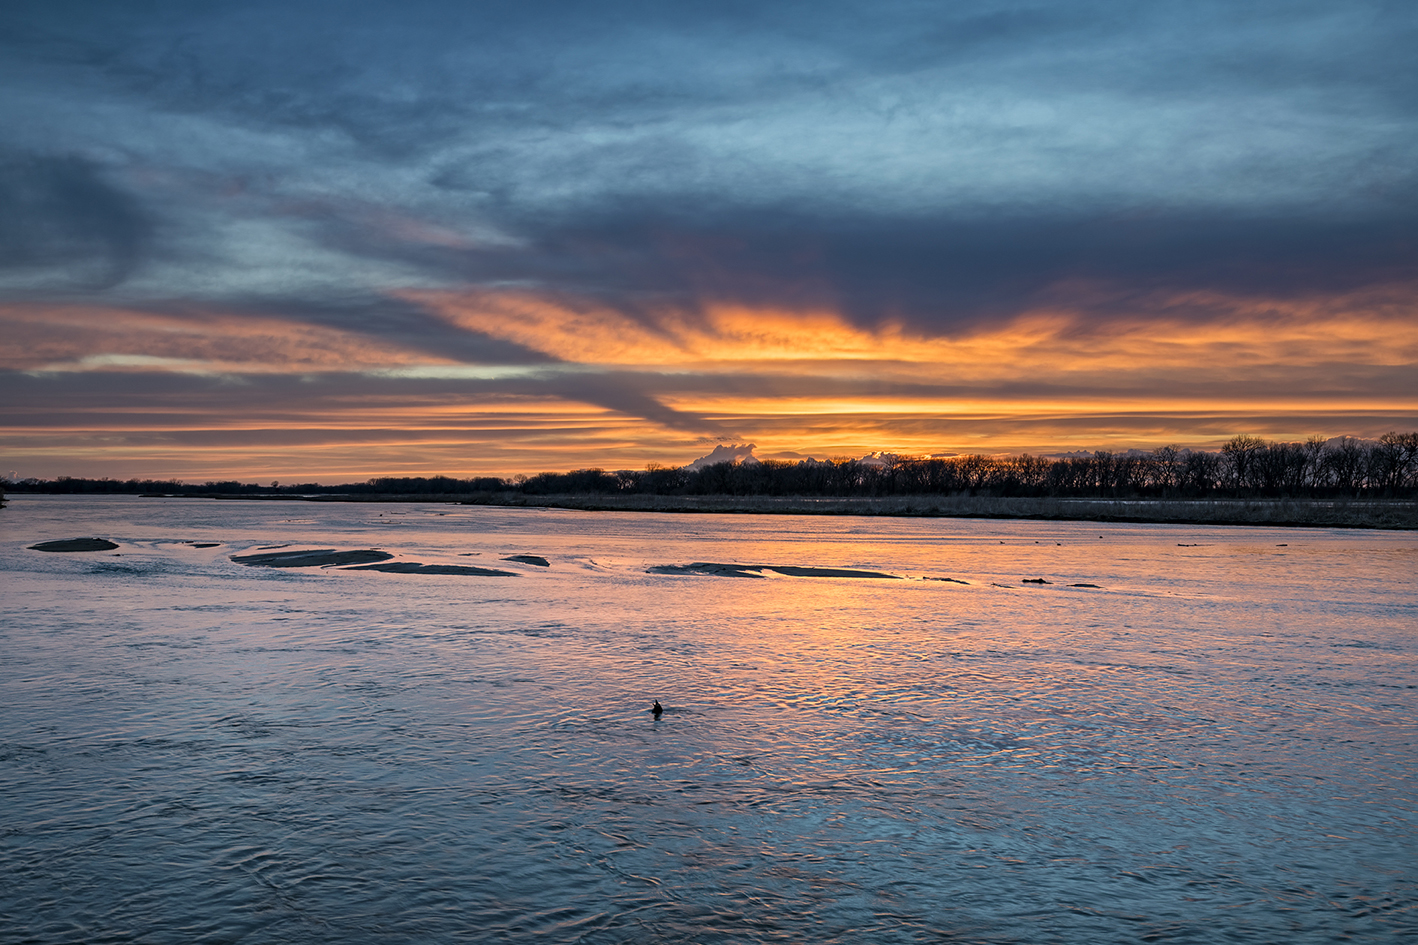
(329,241)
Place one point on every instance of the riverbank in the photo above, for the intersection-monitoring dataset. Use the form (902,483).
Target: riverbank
(1373,513)
(1303,513)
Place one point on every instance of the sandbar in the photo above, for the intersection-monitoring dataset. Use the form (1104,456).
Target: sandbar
(318,558)
(414,567)
(755,570)
(75,544)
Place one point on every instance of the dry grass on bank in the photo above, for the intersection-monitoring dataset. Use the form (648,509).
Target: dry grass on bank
(1351,513)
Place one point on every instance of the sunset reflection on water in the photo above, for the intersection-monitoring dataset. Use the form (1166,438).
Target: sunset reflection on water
(1216,737)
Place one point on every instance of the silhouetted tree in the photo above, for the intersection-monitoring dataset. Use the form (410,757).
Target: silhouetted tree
(1394,461)
(1345,462)
(1239,456)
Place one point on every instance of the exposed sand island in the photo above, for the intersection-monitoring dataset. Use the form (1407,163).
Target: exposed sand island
(319,558)
(414,567)
(755,571)
(75,544)
(363,559)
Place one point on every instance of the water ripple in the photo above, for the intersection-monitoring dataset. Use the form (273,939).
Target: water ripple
(1220,747)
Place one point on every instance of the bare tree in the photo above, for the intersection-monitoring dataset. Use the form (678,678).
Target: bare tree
(1030,473)
(1240,454)
(974,470)
(1167,467)
(1201,472)
(1345,460)
(1394,461)
(1316,476)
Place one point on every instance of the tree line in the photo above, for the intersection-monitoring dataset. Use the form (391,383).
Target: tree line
(1246,466)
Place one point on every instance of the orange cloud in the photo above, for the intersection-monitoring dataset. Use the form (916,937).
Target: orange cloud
(796,383)
(76,338)
(1061,343)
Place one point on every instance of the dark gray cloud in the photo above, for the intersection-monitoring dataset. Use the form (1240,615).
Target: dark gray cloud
(945,272)
(61,222)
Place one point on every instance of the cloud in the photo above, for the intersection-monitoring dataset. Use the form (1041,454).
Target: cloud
(938,165)
(1198,333)
(725,453)
(87,337)
(952,271)
(666,389)
(881,228)
(62,224)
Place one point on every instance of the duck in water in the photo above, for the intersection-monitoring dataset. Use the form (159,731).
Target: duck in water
(656,709)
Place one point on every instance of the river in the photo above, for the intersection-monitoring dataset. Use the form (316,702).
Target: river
(1187,734)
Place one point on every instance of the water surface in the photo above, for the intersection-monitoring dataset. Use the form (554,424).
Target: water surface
(1215,743)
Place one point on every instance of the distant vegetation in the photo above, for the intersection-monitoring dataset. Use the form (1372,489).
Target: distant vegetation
(1246,467)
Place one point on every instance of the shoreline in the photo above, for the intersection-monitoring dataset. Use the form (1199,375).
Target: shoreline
(1386,514)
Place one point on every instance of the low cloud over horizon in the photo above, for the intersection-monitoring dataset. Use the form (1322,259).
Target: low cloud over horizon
(333,241)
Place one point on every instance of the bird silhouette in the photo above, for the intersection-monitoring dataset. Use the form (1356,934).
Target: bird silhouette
(656,709)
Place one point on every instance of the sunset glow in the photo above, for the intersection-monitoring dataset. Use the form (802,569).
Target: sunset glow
(206,393)
(1254,332)
(991,250)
